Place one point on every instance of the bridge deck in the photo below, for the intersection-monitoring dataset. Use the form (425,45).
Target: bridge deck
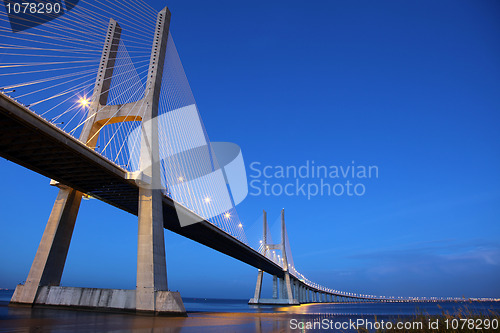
(29,140)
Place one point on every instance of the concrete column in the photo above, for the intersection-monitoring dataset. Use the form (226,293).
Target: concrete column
(258,286)
(288,287)
(48,265)
(275,286)
(282,294)
(151,264)
(91,128)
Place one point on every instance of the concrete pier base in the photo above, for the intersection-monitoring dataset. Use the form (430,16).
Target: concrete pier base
(168,303)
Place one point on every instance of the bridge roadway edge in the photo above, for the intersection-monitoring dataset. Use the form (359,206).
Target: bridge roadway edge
(31,141)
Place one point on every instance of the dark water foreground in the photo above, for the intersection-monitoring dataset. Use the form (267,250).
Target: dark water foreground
(210,315)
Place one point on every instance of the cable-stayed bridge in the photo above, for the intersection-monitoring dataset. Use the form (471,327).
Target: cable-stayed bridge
(98,101)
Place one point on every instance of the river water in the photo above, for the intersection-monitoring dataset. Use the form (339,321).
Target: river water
(225,315)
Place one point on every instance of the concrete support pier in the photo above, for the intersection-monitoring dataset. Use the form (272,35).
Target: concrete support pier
(151,295)
(275,287)
(283,293)
(48,265)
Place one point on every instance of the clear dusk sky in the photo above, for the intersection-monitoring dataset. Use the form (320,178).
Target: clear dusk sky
(412,87)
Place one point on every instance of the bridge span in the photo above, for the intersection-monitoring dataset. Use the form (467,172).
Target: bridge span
(75,166)
(31,141)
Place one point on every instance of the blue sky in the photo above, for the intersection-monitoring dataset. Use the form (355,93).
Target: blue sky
(411,87)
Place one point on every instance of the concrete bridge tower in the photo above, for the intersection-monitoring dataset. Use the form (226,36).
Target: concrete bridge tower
(285,294)
(151,294)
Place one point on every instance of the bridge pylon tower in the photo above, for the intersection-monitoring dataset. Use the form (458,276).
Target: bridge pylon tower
(285,294)
(151,294)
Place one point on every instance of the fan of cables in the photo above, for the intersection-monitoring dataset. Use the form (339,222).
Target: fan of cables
(51,68)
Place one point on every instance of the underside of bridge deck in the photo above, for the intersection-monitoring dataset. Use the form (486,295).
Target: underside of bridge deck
(31,141)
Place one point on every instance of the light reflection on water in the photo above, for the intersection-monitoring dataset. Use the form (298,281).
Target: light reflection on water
(208,315)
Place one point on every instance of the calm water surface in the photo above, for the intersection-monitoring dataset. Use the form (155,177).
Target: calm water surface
(223,315)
